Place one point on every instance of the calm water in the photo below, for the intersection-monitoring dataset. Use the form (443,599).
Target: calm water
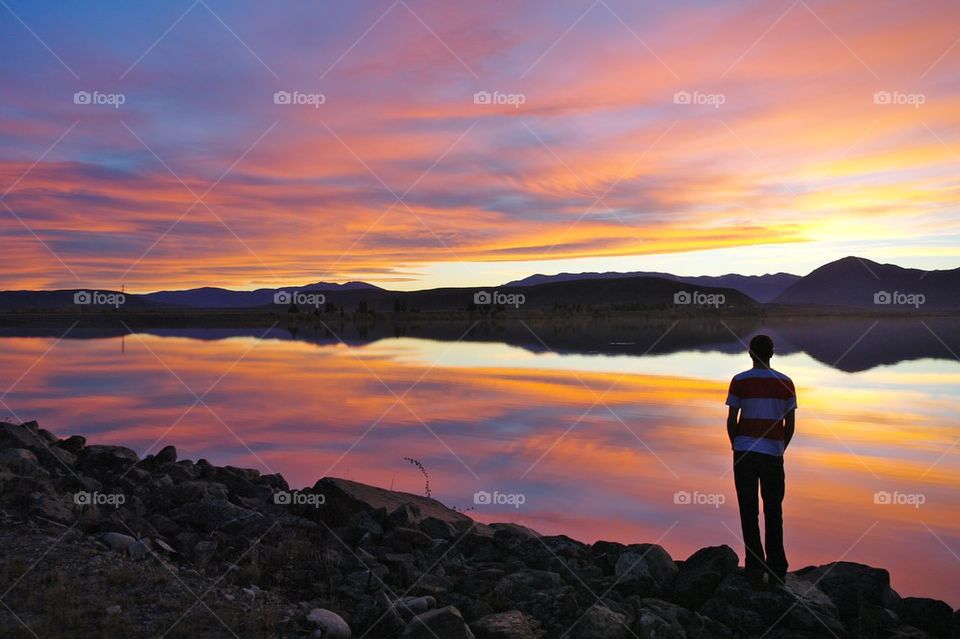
(599,444)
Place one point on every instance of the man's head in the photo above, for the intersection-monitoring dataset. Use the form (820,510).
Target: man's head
(761,348)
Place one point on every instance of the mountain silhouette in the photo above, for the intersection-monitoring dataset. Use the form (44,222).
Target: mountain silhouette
(859,282)
(762,288)
(213,297)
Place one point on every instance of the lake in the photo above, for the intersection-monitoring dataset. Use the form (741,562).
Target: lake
(612,434)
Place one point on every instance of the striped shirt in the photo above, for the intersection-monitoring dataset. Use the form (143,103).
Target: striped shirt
(764,396)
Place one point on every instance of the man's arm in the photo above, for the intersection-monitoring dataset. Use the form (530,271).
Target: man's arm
(790,420)
(732,422)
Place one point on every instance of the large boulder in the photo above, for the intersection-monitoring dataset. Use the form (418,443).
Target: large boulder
(211,514)
(329,624)
(861,593)
(930,615)
(445,622)
(506,625)
(19,436)
(645,569)
(701,573)
(409,607)
(665,620)
(100,457)
(20,460)
(799,609)
(599,622)
(524,584)
(73,444)
(345,497)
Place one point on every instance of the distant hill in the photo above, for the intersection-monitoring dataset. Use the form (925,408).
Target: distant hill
(211,297)
(625,293)
(859,282)
(65,299)
(762,288)
(629,293)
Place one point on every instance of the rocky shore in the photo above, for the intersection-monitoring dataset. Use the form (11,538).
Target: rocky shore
(100,543)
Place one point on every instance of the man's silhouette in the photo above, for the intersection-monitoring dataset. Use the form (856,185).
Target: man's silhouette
(760,424)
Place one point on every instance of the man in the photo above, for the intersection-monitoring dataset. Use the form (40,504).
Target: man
(760,424)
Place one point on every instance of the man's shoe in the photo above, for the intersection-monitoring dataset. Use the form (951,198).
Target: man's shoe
(777,579)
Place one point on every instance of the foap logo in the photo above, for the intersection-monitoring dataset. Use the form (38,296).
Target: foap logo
(299,298)
(98,298)
(696,298)
(898,298)
(696,498)
(84,498)
(699,99)
(896,498)
(499,99)
(96,98)
(485,298)
(297,498)
(297,98)
(898,98)
(496,498)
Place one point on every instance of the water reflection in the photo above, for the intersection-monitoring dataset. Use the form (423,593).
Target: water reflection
(599,440)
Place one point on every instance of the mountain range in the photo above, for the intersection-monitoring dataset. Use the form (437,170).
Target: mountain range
(762,288)
(850,282)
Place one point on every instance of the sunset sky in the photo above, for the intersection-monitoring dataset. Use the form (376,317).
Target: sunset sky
(692,137)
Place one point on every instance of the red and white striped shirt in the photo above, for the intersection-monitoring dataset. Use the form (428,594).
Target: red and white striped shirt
(764,397)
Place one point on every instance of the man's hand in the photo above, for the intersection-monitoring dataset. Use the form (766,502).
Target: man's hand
(790,420)
(732,423)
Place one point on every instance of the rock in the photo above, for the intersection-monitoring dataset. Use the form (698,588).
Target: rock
(506,625)
(204,550)
(19,460)
(438,528)
(606,554)
(800,609)
(101,457)
(406,539)
(362,524)
(407,515)
(446,623)
(665,620)
(116,541)
(18,436)
(52,507)
(114,610)
(329,624)
(524,584)
(73,444)
(701,573)
(645,569)
(167,455)
(599,622)
(196,490)
(211,514)
(930,615)
(345,497)
(140,549)
(412,606)
(862,594)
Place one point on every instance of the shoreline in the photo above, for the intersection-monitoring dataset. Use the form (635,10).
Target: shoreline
(358,560)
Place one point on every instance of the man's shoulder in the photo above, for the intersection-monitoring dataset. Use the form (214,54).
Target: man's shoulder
(763,373)
(782,376)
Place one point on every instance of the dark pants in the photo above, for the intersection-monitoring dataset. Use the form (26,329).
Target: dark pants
(750,469)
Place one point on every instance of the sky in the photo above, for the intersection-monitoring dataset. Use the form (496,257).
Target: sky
(423,143)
